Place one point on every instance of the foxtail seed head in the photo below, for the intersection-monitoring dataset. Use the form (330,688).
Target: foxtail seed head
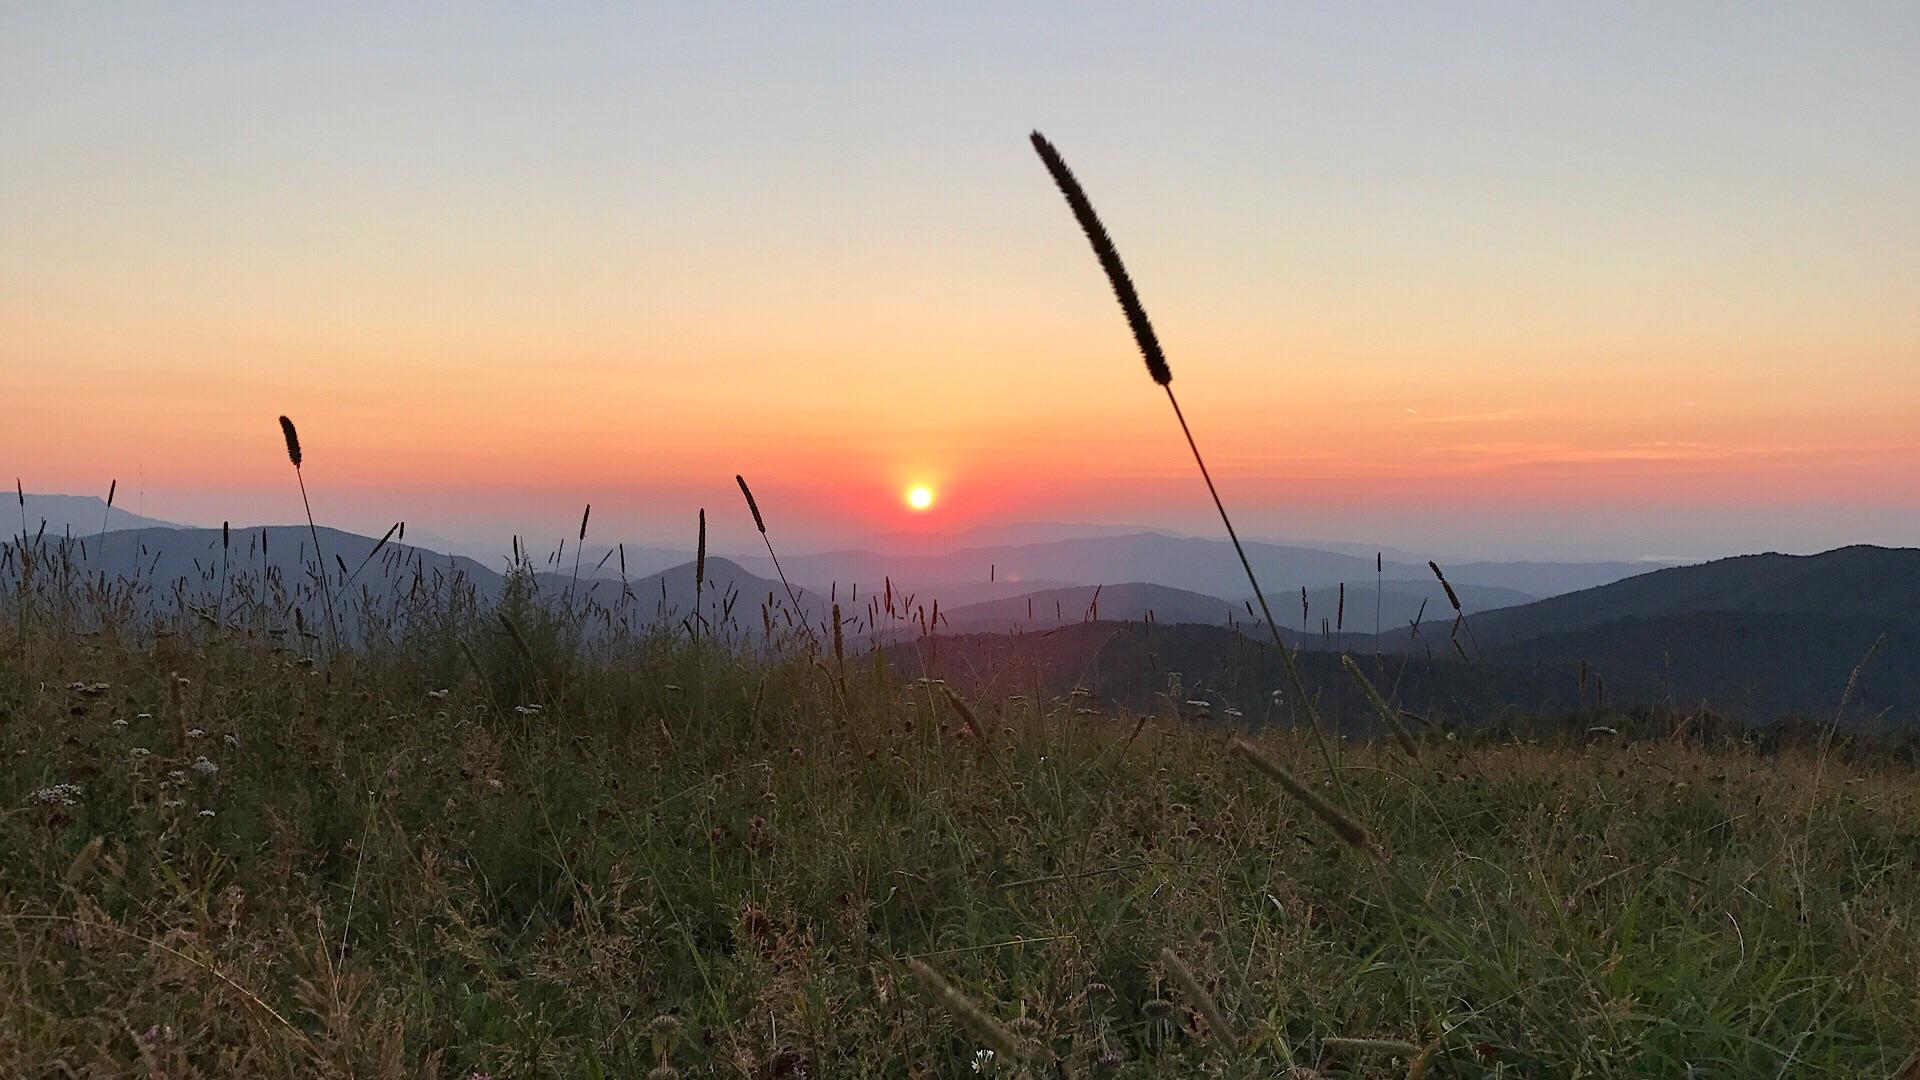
(1343,826)
(293,441)
(1109,257)
(758,523)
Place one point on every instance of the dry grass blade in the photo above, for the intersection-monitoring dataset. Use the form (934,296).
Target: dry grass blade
(391,529)
(1380,706)
(246,995)
(578,547)
(839,652)
(1197,996)
(973,725)
(1343,826)
(983,1027)
(513,635)
(1451,597)
(1396,1047)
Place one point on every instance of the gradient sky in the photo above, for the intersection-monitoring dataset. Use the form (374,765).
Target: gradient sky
(1622,280)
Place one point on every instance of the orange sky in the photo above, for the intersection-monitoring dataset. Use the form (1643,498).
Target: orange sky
(1569,289)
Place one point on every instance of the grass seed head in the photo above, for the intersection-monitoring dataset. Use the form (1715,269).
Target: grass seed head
(971,1016)
(1387,713)
(293,441)
(752,506)
(1343,826)
(1109,257)
(1198,997)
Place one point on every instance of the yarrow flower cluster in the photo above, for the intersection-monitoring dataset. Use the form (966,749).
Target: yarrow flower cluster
(57,795)
(203,766)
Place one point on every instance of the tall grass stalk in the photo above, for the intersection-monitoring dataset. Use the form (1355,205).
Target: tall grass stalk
(983,1027)
(113,487)
(760,523)
(1217,1026)
(1149,342)
(1332,816)
(579,546)
(326,588)
(1386,712)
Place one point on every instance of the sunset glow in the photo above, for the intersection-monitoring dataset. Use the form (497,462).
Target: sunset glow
(920,497)
(1411,286)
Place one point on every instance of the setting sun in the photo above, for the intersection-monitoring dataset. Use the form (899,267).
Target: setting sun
(920,497)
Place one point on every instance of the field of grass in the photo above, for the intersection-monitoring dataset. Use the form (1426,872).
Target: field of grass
(461,852)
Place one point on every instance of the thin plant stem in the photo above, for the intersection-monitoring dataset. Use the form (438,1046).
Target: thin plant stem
(1286,656)
(326,589)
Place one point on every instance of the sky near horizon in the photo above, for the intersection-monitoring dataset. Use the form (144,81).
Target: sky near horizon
(1553,280)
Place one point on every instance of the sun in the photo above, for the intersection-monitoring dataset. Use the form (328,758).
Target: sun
(920,497)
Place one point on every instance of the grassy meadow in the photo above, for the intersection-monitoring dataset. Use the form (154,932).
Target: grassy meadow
(481,847)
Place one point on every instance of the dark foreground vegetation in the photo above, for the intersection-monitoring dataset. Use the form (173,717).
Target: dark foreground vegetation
(470,848)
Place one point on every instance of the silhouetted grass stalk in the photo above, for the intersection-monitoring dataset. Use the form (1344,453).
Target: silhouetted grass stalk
(577,548)
(326,589)
(1149,343)
(761,524)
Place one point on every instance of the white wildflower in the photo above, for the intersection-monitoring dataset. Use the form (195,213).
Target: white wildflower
(140,751)
(57,795)
(204,767)
(206,813)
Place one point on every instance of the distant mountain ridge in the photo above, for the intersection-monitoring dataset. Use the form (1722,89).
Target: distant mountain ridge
(1205,566)
(1860,582)
(1763,635)
(1398,603)
(80,515)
